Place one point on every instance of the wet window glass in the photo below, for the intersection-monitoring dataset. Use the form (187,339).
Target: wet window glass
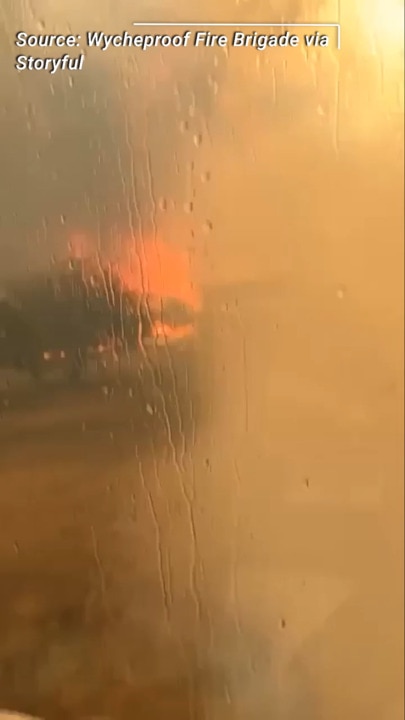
(201,360)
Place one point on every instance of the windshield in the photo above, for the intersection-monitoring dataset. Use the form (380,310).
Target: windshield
(201,359)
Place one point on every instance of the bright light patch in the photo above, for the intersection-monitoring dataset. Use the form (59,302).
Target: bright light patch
(387,21)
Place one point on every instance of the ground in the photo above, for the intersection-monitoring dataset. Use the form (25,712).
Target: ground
(153,566)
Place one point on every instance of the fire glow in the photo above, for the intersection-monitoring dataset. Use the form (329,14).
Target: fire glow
(153,268)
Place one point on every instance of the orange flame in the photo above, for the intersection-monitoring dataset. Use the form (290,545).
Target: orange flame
(150,267)
(160,270)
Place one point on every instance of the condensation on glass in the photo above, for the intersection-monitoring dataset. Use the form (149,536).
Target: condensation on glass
(201,360)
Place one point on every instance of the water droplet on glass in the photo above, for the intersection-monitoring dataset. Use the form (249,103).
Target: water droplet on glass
(188,207)
(205,177)
(198,139)
(162,204)
(207,227)
(184,126)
